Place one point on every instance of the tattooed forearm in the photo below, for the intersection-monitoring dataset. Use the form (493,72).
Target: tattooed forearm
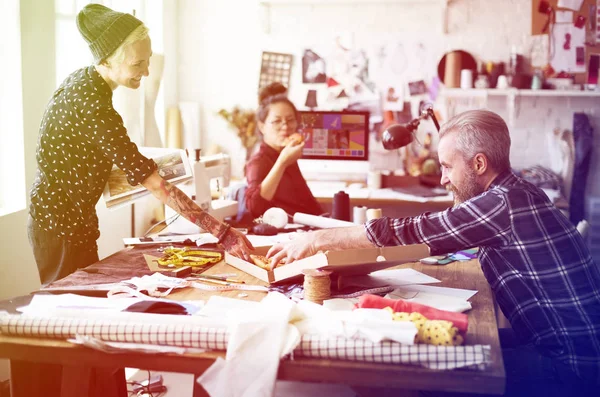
(185,206)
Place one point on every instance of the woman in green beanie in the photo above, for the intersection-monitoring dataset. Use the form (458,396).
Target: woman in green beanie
(82,136)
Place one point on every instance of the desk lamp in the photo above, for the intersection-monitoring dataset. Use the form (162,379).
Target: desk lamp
(400,135)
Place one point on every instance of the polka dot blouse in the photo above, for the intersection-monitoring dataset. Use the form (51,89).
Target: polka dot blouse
(81,137)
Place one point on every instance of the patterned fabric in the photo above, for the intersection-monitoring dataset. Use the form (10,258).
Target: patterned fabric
(202,337)
(541,177)
(81,137)
(429,356)
(292,194)
(535,261)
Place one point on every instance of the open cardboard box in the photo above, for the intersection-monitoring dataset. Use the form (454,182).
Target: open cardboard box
(344,262)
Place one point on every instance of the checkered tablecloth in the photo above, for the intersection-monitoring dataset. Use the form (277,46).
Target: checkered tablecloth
(202,337)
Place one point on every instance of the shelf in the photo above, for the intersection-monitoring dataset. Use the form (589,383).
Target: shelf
(267,4)
(325,2)
(460,92)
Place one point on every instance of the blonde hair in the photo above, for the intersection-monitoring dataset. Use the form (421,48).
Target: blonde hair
(138,34)
(481,131)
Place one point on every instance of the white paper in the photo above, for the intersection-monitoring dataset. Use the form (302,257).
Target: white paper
(566,38)
(320,221)
(564,16)
(459,293)
(571,4)
(438,297)
(43,303)
(266,241)
(404,276)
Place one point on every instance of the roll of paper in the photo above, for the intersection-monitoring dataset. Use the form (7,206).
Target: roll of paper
(275,217)
(319,221)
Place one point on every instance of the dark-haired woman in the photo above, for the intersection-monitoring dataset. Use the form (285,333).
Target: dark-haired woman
(274,178)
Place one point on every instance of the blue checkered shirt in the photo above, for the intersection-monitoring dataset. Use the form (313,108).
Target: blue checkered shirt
(535,261)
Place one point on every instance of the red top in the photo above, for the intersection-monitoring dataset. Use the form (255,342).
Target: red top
(292,194)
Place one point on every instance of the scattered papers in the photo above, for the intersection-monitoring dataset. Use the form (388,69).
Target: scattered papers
(571,4)
(564,16)
(267,241)
(395,277)
(442,298)
(43,304)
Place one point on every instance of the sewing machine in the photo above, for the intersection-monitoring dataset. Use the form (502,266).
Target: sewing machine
(211,176)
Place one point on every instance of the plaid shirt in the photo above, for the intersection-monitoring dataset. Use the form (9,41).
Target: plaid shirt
(535,261)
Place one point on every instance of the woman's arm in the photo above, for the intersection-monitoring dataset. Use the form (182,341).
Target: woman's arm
(288,155)
(233,241)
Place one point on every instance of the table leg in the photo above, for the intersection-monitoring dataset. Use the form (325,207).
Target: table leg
(75,381)
(381,392)
(29,379)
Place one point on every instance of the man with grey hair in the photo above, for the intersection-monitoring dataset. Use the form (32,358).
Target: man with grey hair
(535,261)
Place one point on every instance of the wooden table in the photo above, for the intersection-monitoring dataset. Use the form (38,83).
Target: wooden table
(80,365)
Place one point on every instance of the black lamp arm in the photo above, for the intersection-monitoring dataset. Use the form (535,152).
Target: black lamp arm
(431,114)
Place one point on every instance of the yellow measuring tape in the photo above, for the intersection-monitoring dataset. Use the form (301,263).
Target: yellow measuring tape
(178,257)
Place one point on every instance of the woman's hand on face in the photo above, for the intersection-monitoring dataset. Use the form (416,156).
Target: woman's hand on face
(237,244)
(291,153)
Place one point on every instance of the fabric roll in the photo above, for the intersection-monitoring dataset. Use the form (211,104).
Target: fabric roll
(173,128)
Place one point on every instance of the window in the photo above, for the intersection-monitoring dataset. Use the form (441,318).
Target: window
(12,157)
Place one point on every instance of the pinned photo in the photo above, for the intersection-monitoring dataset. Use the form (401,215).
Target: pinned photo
(417,87)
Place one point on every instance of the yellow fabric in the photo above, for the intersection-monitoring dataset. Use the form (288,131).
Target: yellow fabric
(432,332)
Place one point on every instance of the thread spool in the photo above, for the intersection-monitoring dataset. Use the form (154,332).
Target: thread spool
(359,215)
(374,180)
(317,285)
(374,213)
(452,71)
(466,79)
(341,206)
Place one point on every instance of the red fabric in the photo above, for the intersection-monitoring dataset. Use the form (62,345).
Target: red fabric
(292,194)
(459,320)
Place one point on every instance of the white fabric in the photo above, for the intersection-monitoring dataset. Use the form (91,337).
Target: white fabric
(257,341)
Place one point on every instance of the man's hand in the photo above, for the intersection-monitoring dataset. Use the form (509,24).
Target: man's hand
(237,244)
(301,246)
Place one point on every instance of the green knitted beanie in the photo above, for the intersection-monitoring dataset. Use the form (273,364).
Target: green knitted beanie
(104,29)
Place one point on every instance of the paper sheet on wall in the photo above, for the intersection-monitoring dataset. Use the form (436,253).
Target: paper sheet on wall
(571,4)
(567,40)
(564,16)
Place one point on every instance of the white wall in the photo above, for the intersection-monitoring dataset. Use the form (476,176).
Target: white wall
(221,43)
(18,272)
